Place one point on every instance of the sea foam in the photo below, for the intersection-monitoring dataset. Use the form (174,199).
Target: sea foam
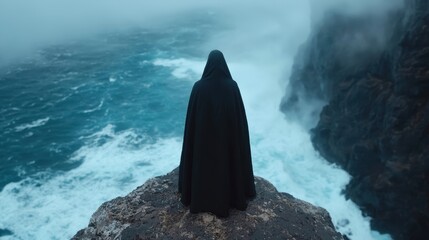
(56,205)
(112,163)
(282,151)
(182,68)
(36,123)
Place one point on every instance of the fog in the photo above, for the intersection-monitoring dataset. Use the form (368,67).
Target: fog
(354,8)
(26,26)
(260,40)
(364,32)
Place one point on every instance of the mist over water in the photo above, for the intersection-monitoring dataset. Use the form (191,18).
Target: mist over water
(93,101)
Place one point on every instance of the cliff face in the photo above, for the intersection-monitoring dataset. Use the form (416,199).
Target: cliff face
(153,211)
(376,121)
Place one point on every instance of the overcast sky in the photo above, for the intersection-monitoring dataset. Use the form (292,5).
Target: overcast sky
(29,25)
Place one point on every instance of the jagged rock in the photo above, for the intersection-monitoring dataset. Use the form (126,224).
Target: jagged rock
(376,121)
(153,211)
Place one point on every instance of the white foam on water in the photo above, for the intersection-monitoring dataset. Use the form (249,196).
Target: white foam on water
(182,68)
(112,79)
(47,206)
(79,86)
(36,123)
(100,105)
(282,151)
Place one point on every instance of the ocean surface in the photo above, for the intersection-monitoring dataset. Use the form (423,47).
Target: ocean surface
(86,121)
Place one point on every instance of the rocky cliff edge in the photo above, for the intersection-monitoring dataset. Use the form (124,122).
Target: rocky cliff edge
(153,211)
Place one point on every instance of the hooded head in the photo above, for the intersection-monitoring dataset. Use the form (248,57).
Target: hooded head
(216,67)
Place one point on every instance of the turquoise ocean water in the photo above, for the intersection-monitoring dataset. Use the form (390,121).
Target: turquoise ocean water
(83,122)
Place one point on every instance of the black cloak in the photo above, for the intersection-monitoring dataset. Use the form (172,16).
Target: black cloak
(216,166)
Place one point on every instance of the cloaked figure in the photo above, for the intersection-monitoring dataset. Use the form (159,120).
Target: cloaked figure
(216,167)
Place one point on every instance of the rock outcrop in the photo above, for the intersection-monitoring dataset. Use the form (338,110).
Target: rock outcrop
(373,73)
(153,211)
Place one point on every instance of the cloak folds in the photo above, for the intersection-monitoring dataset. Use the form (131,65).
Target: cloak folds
(215,171)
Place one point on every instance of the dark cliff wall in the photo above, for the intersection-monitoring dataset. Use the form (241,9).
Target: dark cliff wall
(373,73)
